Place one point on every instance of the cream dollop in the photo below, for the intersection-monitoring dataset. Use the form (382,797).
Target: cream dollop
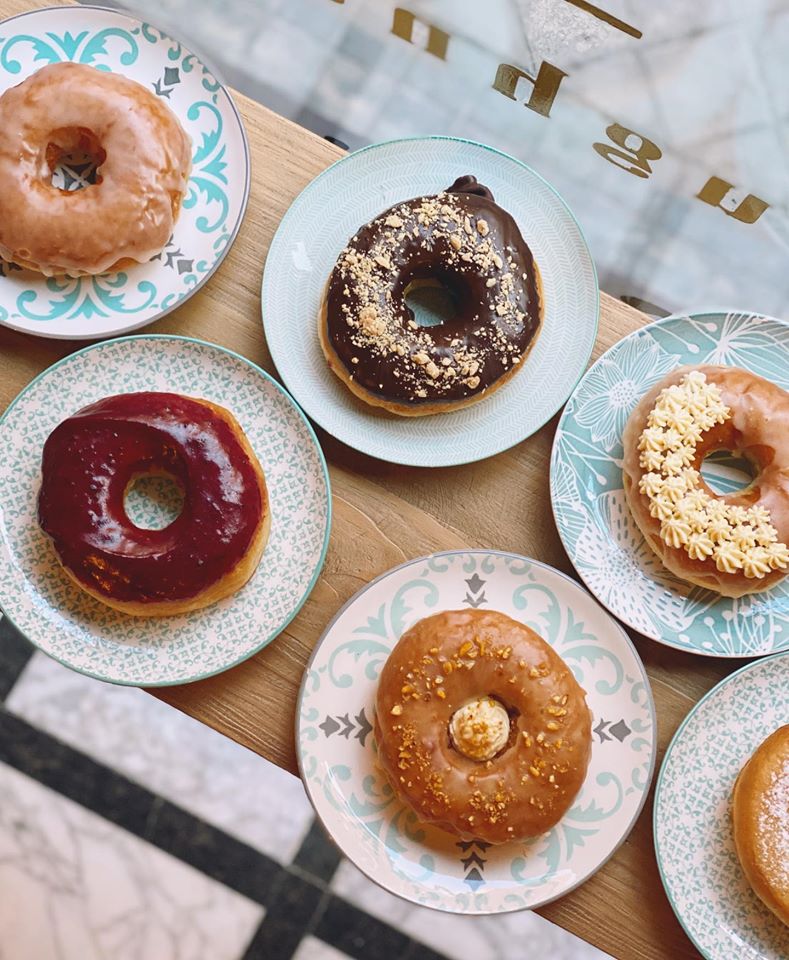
(480,728)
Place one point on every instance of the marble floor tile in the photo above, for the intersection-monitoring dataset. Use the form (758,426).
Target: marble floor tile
(169,753)
(312,949)
(484,938)
(75,887)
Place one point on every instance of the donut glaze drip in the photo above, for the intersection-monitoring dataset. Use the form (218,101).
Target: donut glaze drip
(462,239)
(90,459)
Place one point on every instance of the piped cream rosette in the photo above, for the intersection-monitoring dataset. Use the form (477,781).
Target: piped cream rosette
(737,538)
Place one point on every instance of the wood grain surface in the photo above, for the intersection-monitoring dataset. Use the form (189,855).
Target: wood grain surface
(386,514)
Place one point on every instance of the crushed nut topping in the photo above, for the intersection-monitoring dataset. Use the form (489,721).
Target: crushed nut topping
(424,367)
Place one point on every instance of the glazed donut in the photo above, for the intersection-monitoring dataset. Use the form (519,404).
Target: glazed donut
(459,239)
(128,215)
(207,553)
(733,544)
(481,727)
(760,816)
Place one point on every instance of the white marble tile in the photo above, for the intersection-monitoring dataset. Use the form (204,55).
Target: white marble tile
(168,752)
(311,948)
(484,938)
(75,887)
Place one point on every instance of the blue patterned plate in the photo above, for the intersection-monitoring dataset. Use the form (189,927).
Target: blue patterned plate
(337,756)
(693,836)
(595,524)
(93,307)
(354,190)
(88,636)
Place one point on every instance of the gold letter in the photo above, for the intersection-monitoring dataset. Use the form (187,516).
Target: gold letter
(546,85)
(636,156)
(748,210)
(403,27)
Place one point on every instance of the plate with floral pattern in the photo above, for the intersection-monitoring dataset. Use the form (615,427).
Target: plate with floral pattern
(350,793)
(594,521)
(212,210)
(357,188)
(692,815)
(89,636)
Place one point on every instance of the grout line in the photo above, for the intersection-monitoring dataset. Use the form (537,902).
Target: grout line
(15,653)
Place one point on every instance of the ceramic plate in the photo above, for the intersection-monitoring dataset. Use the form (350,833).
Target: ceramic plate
(597,529)
(90,637)
(93,307)
(354,190)
(337,754)
(693,836)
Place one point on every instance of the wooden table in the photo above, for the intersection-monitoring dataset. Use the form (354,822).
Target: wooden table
(386,514)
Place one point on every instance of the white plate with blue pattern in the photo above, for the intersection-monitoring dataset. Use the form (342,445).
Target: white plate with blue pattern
(90,637)
(596,526)
(336,749)
(692,815)
(103,306)
(355,189)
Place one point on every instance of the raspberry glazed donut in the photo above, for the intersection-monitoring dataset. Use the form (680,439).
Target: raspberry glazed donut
(144,156)
(463,241)
(481,727)
(733,544)
(207,553)
(760,816)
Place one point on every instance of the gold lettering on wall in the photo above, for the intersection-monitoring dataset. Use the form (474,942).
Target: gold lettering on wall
(545,84)
(715,191)
(634,151)
(606,17)
(403,26)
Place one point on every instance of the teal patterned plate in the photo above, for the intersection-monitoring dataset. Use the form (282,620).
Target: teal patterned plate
(88,636)
(595,524)
(103,306)
(354,190)
(692,815)
(337,756)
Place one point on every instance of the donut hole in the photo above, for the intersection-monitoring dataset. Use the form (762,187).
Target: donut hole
(153,500)
(431,301)
(725,472)
(74,156)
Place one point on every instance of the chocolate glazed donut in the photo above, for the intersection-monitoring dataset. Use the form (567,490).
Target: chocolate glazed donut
(206,553)
(459,239)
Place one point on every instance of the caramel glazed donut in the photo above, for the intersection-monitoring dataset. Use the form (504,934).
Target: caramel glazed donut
(734,544)
(481,727)
(144,157)
(460,239)
(760,815)
(207,553)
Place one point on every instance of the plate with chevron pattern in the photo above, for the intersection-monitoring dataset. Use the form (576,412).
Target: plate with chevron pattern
(595,524)
(336,744)
(354,190)
(692,815)
(212,210)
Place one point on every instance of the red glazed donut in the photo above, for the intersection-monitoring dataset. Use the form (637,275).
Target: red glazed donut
(207,553)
